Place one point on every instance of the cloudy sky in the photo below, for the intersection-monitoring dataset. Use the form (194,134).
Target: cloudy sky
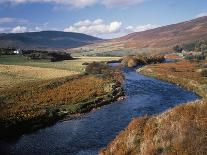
(102,18)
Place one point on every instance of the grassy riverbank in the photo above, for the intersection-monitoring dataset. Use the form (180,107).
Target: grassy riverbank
(181,130)
(34,104)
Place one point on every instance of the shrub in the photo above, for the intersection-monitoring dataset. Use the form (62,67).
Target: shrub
(97,68)
(133,62)
(51,56)
(105,71)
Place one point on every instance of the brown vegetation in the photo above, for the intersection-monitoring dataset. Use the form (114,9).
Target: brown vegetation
(158,40)
(181,130)
(26,106)
(134,61)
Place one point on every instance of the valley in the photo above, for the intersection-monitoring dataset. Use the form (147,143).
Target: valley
(139,94)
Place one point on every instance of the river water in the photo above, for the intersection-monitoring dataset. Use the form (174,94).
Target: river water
(93,131)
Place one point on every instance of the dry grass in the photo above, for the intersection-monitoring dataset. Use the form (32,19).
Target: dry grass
(38,103)
(178,131)
(17,70)
(25,100)
(184,73)
(11,75)
(46,99)
(70,65)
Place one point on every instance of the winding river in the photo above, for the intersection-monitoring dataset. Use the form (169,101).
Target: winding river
(91,132)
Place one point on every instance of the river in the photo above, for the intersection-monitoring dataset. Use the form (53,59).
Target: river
(93,131)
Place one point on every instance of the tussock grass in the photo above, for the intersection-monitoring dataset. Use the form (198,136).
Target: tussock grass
(34,105)
(178,131)
(11,75)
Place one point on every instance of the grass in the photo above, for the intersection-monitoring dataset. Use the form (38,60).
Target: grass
(71,65)
(56,95)
(12,75)
(184,73)
(181,130)
(16,69)
(28,99)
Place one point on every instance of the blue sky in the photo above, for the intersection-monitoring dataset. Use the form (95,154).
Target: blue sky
(106,18)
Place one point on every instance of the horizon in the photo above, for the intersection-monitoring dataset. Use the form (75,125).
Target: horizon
(96,18)
(106,38)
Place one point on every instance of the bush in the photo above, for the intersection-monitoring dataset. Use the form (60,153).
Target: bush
(132,62)
(51,56)
(97,68)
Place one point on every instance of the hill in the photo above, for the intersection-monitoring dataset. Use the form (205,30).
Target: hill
(46,40)
(157,40)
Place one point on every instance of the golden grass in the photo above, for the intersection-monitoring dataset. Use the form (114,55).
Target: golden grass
(30,71)
(26,102)
(178,131)
(183,73)
(71,65)
(11,75)
(37,103)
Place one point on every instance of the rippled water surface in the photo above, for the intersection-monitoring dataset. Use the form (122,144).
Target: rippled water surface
(88,134)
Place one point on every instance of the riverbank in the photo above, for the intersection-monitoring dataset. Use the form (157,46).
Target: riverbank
(26,107)
(181,130)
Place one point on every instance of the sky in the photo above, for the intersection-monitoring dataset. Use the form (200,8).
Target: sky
(100,18)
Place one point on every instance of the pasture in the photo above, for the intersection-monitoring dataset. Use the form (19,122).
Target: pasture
(16,69)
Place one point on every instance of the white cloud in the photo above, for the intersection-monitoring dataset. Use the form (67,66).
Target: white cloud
(140,28)
(201,14)
(19,29)
(102,29)
(78,3)
(96,27)
(145,27)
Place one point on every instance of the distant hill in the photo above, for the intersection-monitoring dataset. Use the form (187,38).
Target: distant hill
(168,35)
(46,40)
(157,40)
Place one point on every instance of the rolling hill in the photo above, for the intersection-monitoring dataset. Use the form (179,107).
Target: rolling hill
(45,40)
(168,35)
(157,40)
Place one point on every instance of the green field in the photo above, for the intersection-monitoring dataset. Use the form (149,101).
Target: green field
(71,65)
